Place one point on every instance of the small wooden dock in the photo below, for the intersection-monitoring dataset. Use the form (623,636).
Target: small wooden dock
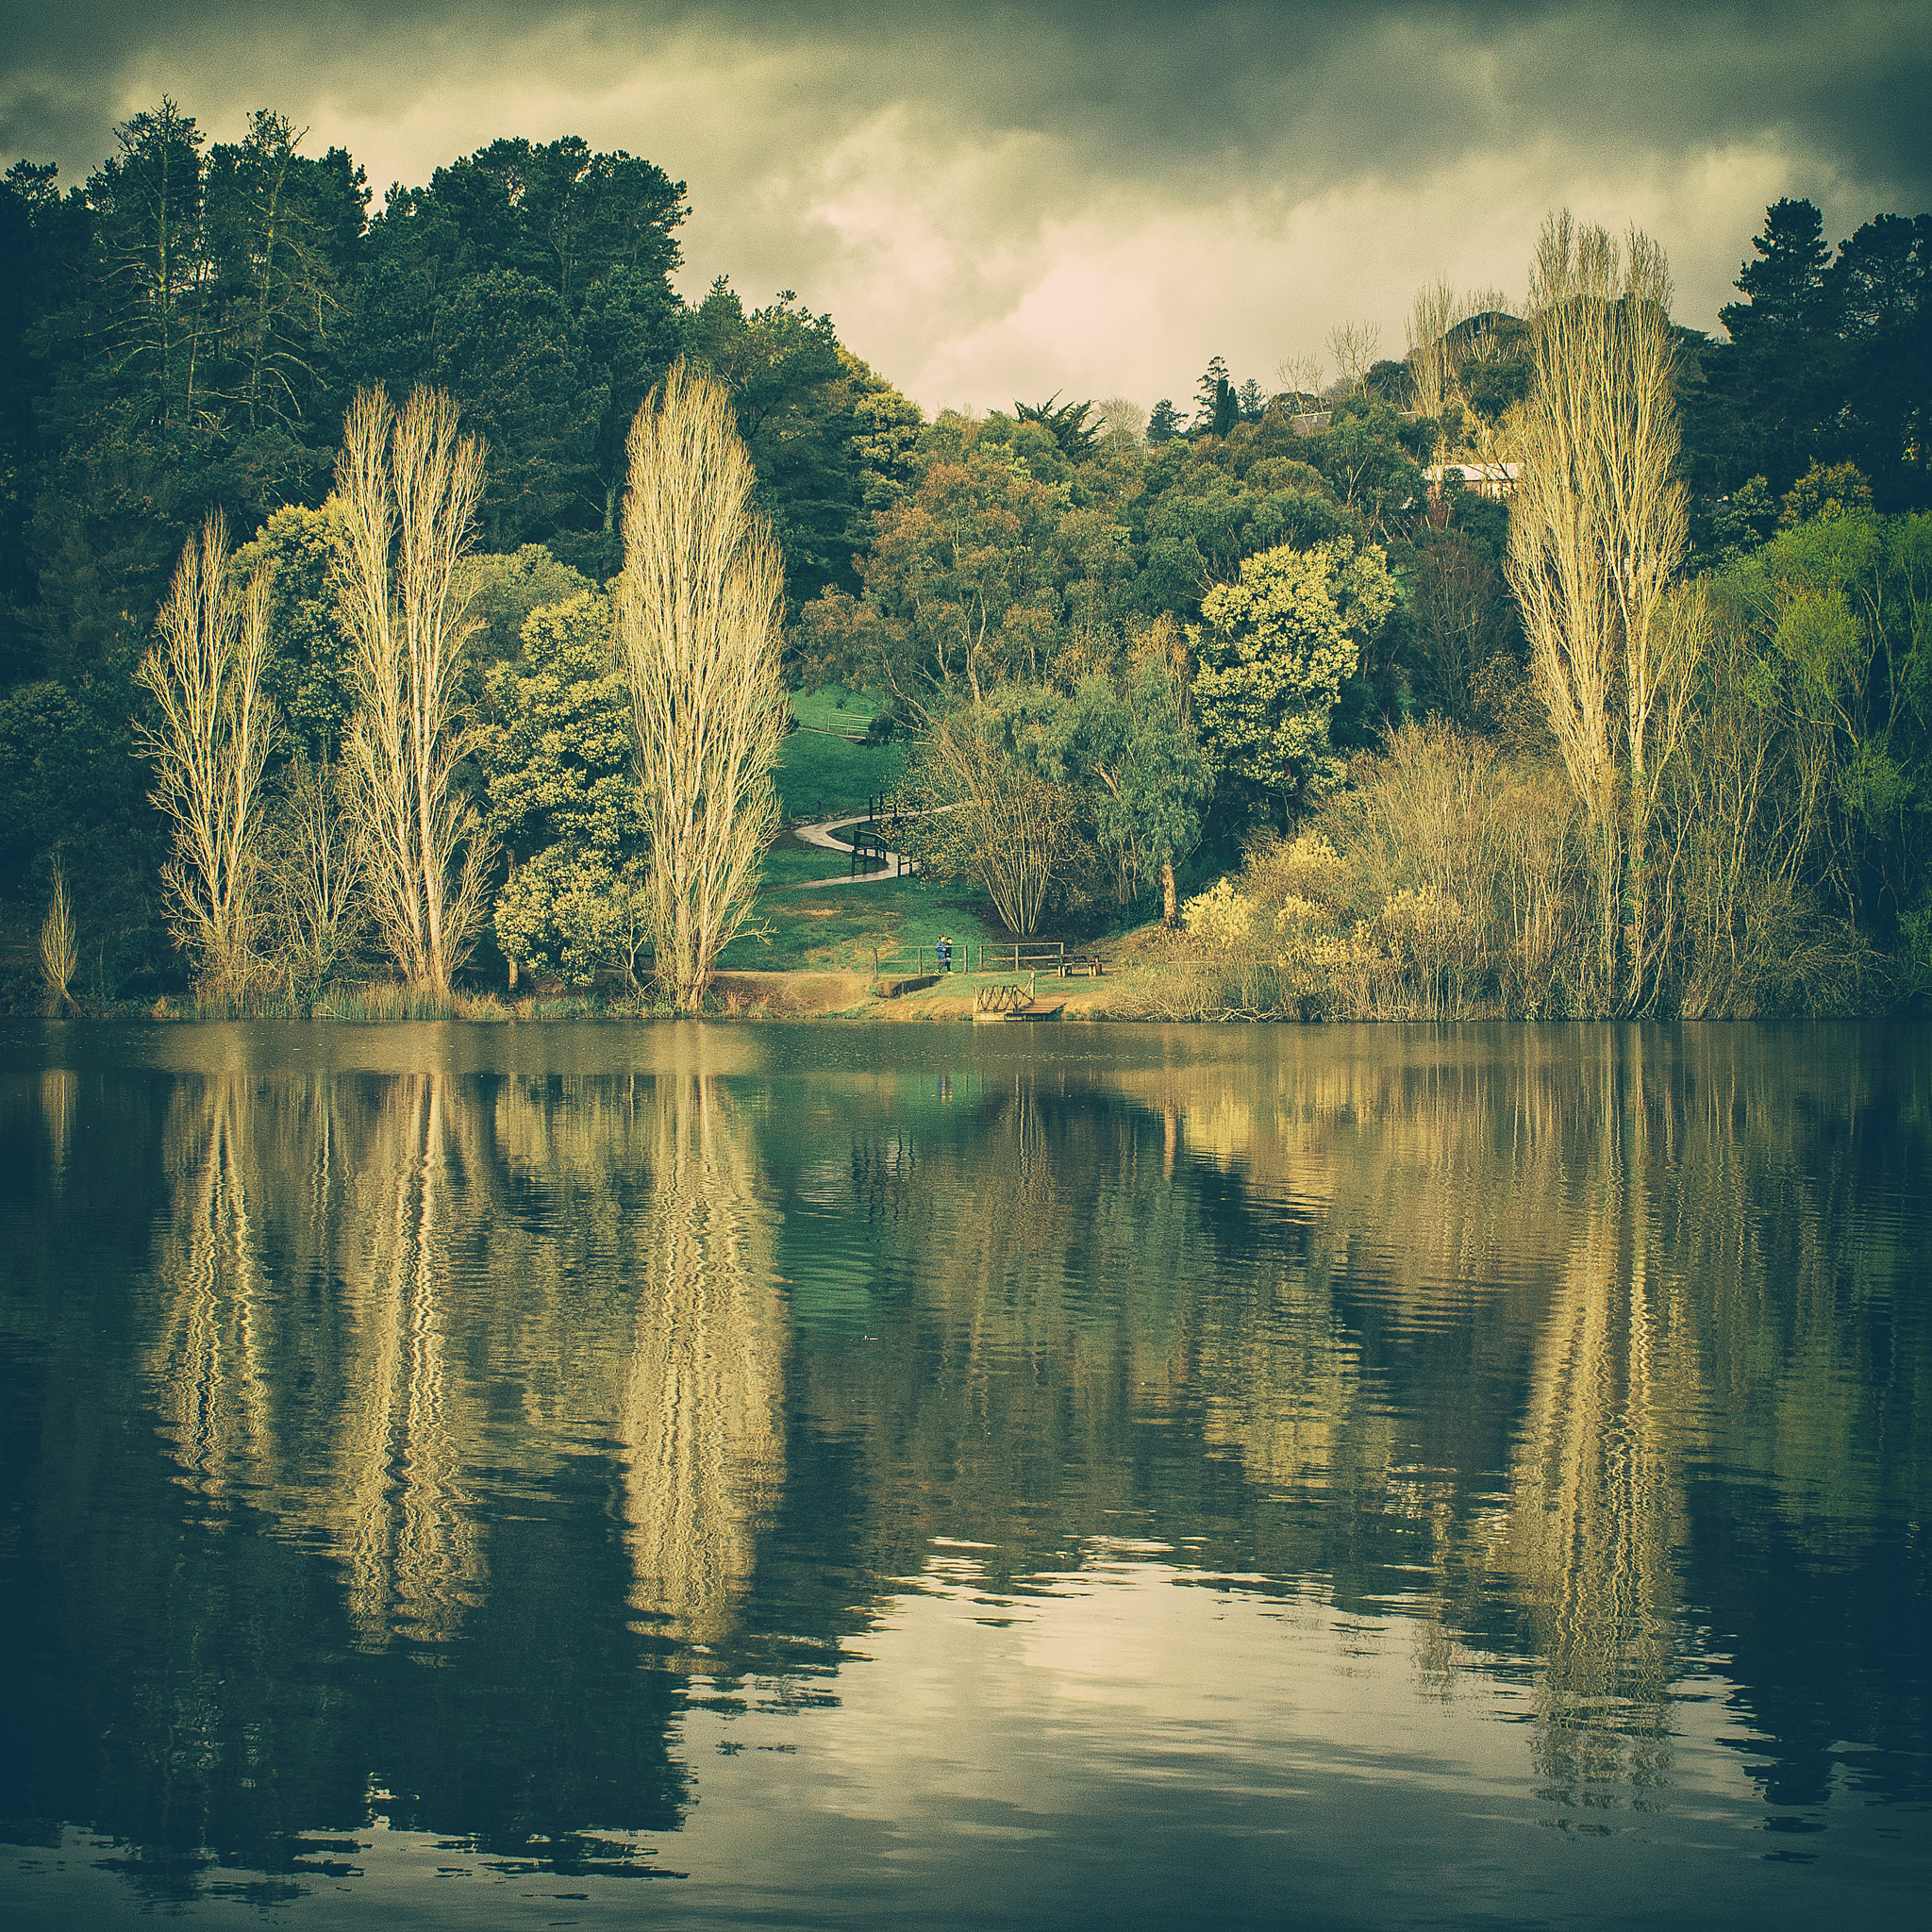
(1014,1002)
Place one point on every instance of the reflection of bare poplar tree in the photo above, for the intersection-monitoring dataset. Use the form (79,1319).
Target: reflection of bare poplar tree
(56,1111)
(210,1355)
(1597,530)
(211,737)
(409,486)
(1597,1507)
(412,1544)
(699,1413)
(697,625)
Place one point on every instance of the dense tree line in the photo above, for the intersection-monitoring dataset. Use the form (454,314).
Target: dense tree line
(1173,633)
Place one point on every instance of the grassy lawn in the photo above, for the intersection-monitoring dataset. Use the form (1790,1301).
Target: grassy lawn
(837,929)
(818,777)
(834,709)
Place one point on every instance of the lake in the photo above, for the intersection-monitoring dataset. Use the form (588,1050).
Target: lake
(682,1474)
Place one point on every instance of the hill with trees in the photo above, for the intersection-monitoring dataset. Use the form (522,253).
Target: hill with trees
(1248,665)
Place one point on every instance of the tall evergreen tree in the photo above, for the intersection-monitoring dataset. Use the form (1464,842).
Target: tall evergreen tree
(1208,393)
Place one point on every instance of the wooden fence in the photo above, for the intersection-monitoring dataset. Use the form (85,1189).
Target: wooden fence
(1021,955)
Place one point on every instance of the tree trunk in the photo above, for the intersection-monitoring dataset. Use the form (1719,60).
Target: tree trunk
(513,857)
(1169,900)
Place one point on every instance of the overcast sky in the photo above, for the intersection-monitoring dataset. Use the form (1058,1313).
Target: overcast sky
(1092,198)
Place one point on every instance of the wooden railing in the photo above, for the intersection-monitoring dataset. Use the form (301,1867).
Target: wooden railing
(1019,955)
(873,842)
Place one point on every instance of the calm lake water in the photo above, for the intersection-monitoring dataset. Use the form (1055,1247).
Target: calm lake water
(684,1475)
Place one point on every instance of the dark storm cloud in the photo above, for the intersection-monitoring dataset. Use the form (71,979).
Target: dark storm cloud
(1007,199)
(1137,89)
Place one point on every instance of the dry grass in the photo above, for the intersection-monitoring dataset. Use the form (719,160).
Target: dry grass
(1448,882)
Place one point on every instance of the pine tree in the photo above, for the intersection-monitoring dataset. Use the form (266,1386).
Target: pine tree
(1208,393)
(1228,409)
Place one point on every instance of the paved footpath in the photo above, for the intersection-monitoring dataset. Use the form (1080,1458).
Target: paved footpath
(821,834)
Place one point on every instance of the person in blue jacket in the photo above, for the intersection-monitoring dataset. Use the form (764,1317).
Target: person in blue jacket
(943,953)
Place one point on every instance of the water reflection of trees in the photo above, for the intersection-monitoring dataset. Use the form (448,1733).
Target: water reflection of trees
(395,1323)
(1468,1319)
(433,1324)
(1597,1515)
(698,1414)
(1453,1324)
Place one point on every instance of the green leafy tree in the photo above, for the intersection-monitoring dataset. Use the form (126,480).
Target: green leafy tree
(633,328)
(274,221)
(1204,506)
(969,582)
(507,350)
(500,591)
(1882,282)
(1825,489)
(1273,651)
(1844,610)
(1132,746)
(1737,524)
(147,206)
(563,797)
(793,398)
(1066,425)
(885,440)
(307,676)
(1371,461)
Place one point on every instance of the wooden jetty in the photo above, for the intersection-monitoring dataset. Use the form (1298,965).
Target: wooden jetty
(1014,1002)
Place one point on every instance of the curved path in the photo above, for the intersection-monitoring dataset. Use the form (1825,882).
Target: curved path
(821,834)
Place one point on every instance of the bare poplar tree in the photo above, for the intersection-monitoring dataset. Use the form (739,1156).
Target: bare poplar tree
(1301,377)
(212,734)
(60,953)
(697,627)
(316,866)
(1432,360)
(1122,423)
(1354,344)
(408,485)
(1596,531)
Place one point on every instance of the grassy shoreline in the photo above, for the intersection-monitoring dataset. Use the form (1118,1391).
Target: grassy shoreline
(1132,990)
